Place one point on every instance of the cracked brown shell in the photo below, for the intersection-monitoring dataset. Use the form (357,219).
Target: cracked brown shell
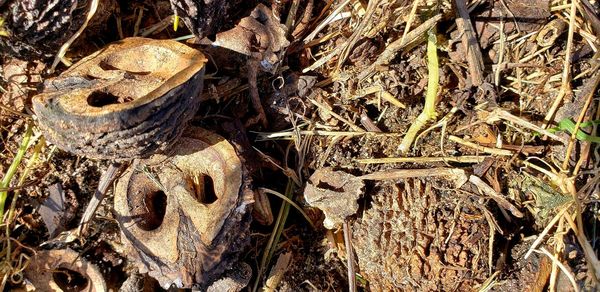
(131,99)
(184,215)
(49,270)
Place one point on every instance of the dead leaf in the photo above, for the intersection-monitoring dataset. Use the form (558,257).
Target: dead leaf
(335,193)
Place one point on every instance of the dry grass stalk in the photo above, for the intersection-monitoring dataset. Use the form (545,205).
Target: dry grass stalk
(469,40)
(500,114)
(327,20)
(332,113)
(489,150)
(446,159)
(556,261)
(63,49)
(456,174)
(489,191)
(565,87)
(358,33)
(589,91)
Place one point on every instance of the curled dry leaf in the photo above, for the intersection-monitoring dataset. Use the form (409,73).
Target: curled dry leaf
(127,100)
(184,217)
(335,193)
(63,270)
(258,35)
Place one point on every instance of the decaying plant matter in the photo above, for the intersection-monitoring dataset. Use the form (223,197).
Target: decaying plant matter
(497,189)
(184,217)
(64,270)
(414,234)
(38,28)
(335,193)
(130,99)
(206,18)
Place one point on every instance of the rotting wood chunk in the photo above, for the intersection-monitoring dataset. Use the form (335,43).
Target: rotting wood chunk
(131,99)
(184,216)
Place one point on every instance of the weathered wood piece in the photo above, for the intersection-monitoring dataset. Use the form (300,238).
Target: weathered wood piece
(184,215)
(469,40)
(63,270)
(131,99)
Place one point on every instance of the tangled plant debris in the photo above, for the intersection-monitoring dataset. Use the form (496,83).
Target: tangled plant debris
(402,145)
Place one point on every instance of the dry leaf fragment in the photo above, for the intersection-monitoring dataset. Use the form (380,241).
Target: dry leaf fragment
(259,35)
(335,193)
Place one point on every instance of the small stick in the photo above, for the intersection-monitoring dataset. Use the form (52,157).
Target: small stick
(253,64)
(469,40)
(459,175)
(481,148)
(457,159)
(368,123)
(349,257)
(500,200)
(106,180)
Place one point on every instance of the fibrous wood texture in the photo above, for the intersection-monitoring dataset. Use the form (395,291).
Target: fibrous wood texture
(172,228)
(130,99)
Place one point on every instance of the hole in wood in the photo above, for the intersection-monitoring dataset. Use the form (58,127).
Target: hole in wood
(155,204)
(69,280)
(204,189)
(101,98)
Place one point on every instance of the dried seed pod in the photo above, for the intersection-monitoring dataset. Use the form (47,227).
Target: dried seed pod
(37,28)
(130,99)
(184,216)
(63,270)
(412,232)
